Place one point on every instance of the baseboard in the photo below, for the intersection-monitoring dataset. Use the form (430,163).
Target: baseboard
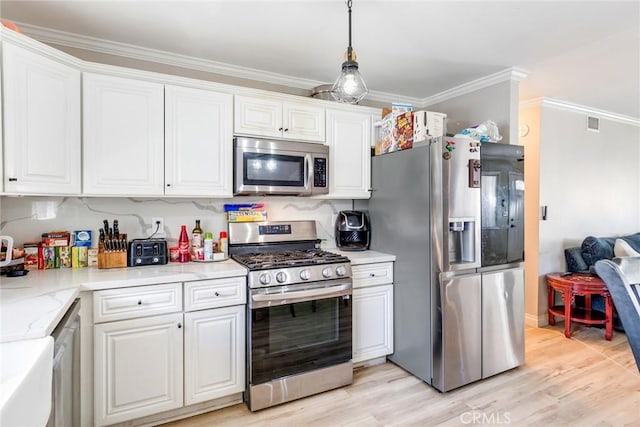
(536,321)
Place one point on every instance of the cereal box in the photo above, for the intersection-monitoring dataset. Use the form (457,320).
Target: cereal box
(396,129)
(64,252)
(31,256)
(51,256)
(79,256)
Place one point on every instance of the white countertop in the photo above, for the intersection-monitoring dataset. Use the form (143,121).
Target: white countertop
(32,305)
(364,257)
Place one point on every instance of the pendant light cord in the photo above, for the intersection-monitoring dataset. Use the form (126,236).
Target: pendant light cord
(349,49)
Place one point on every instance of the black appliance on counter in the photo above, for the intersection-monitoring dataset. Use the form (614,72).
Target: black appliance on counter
(147,252)
(353,232)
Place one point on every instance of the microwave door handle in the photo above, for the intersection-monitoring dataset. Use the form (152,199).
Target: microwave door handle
(308,170)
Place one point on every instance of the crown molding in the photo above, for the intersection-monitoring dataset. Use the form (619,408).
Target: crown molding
(39,47)
(515,74)
(63,38)
(577,108)
(390,98)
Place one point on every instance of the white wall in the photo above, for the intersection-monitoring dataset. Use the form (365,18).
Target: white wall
(590,183)
(498,103)
(26,218)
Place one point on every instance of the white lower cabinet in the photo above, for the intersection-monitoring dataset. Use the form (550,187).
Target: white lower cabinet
(214,353)
(151,355)
(138,367)
(372,311)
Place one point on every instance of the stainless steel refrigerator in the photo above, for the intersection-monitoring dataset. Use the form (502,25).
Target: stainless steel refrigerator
(455,320)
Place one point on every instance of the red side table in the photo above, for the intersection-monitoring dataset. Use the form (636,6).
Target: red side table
(583,285)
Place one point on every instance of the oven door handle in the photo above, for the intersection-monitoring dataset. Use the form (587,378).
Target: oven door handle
(300,296)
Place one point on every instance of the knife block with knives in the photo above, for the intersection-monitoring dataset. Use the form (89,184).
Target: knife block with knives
(112,247)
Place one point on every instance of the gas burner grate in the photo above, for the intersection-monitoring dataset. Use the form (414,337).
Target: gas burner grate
(291,258)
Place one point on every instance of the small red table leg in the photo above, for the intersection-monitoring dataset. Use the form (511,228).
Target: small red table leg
(550,301)
(566,297)
(608,326)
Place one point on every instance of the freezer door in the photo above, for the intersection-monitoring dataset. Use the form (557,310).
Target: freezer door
(502,320)
(457,347)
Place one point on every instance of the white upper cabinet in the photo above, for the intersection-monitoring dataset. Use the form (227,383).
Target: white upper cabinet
(278,119)
(349,140)
(198,142)
(41,123)
(123,129)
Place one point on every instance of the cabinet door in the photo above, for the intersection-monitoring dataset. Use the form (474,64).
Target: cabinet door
(349,139)
(257,116)
(372,322)
(41,124)
(198,142)
(303,122)
(123,129)
(138,368)
(214,353)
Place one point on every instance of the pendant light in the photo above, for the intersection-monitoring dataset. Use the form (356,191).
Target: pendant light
(349,86)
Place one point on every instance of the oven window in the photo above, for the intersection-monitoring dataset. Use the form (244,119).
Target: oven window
(300,337)
(273,170)
(316,323)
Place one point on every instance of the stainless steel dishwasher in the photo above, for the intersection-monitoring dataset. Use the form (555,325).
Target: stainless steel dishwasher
(65,398)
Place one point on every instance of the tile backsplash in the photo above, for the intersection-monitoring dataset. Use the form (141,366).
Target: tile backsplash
(26,218)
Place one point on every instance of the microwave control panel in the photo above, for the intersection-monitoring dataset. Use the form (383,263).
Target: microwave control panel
(319,172)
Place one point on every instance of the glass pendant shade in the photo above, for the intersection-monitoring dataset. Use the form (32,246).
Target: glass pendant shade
(349,87)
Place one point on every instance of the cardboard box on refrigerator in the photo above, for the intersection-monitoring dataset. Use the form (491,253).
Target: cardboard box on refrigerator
(427,125)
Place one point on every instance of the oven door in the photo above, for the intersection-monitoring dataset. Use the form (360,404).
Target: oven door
(298,328)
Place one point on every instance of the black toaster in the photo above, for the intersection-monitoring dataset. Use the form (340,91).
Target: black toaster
(353,232)
(147,252)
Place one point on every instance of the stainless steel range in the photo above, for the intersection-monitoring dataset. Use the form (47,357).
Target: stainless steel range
(298,312)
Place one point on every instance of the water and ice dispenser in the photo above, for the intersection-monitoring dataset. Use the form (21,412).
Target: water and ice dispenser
(462,241)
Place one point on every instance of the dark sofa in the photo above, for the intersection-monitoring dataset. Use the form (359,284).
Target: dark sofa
(582,259)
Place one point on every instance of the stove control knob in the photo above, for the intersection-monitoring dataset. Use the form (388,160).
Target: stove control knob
(281,277)
(327,272)
(265,279)
(305,275)
(341,271)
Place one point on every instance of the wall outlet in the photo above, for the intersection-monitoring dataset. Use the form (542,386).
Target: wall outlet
(157,223)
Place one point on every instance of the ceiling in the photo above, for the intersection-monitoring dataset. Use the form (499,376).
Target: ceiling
(580,52)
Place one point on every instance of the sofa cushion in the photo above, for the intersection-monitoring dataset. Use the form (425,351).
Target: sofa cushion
(597,248)
(633,240)
(624,249)
(575,263)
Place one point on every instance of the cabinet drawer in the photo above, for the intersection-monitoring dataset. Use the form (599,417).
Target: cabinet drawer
(140,301)
(372,274)
(214,293)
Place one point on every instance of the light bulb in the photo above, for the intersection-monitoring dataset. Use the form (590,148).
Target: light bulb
(349,85)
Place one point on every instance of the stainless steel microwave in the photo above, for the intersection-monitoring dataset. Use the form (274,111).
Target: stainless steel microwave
(267,166)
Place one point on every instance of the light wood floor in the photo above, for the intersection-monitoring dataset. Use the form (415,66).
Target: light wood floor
(583,381)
